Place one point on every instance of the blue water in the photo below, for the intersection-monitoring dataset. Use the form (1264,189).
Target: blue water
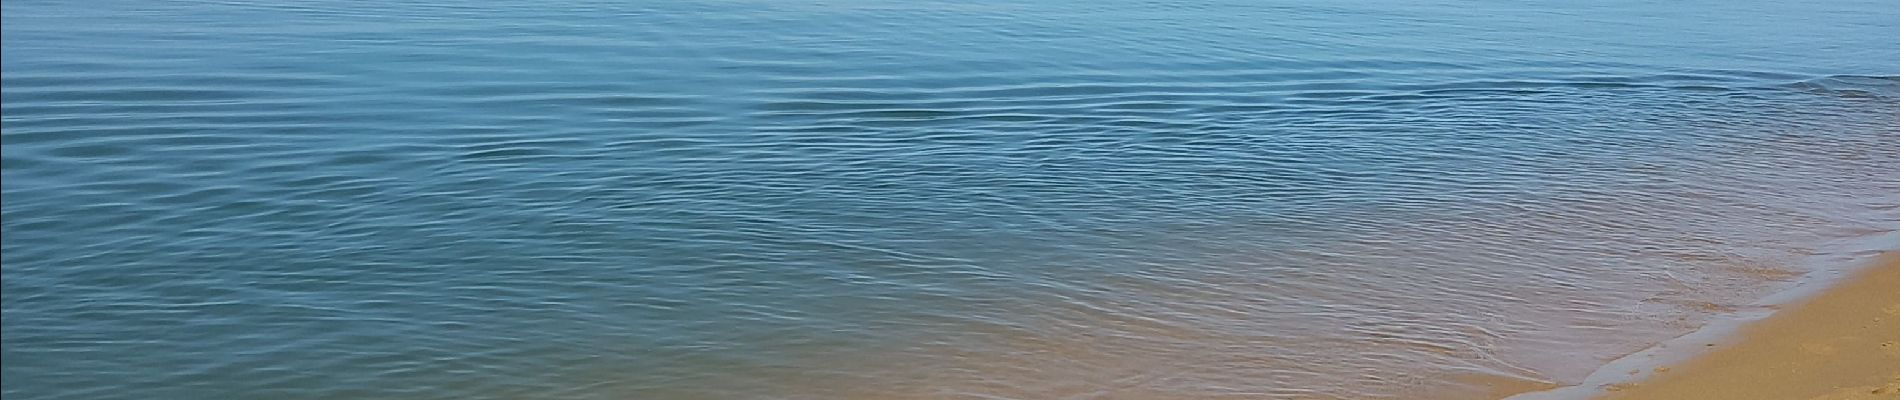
(1378,199)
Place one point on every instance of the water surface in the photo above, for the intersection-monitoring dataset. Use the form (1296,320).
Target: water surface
(890,200)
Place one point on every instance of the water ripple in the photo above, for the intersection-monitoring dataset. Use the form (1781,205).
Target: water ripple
(740,199)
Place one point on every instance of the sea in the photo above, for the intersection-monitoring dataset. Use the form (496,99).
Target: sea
(919,199)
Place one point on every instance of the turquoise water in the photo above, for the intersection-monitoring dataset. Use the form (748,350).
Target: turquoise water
(891,200)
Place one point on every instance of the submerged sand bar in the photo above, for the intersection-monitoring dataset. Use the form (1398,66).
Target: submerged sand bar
(1841,344)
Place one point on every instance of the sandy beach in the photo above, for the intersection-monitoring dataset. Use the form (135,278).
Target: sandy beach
(1842,344)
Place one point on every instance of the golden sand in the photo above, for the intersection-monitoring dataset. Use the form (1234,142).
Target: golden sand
(1843,344)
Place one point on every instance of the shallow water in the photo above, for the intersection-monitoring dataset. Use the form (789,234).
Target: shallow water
(887,200)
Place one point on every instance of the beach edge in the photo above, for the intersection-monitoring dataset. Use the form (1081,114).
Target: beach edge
(1840,342)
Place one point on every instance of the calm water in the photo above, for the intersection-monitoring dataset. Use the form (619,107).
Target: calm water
(532,199)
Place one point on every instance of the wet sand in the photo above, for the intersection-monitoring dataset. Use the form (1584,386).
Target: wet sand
(1842,344)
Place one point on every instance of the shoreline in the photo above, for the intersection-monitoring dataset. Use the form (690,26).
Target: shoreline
(1841,341)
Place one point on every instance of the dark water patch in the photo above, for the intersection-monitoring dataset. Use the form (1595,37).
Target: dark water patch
(1882,88)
